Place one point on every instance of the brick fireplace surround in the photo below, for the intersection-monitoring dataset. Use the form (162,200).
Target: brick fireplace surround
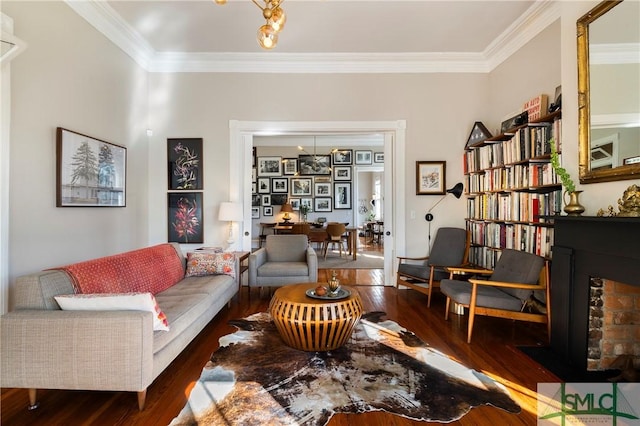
(588,249)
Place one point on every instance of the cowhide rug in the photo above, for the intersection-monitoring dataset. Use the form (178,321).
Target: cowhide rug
(255,379)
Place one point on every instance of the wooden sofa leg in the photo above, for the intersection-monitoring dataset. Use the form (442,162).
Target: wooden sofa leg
(33,403)
(142,398)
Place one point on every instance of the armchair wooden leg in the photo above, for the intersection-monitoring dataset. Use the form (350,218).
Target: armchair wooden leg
(33,403)
(142,398)
(446,309)
(472,310)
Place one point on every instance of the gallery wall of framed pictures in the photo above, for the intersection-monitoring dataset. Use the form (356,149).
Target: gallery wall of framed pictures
(317,183)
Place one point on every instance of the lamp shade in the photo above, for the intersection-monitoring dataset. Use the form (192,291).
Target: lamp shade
(456,190)
(230,212)
(286,208)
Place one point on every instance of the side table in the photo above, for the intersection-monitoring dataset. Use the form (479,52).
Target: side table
(243,265)
(310,324)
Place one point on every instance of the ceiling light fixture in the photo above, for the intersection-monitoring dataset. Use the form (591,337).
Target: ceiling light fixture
(275,17)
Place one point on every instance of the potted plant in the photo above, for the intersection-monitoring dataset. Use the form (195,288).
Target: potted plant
(573,207)
(304,209)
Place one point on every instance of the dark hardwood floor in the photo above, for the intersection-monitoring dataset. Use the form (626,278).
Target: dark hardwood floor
(491,351)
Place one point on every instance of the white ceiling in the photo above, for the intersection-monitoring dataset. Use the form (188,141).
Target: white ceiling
(321,35)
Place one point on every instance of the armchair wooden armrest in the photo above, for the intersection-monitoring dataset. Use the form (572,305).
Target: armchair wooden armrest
(401,258)
(468,270)
(507,284)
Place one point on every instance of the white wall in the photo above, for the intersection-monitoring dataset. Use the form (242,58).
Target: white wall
(70,76)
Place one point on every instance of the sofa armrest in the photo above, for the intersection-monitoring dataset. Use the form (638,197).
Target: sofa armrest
(256,259)
(312,263)
(89,350)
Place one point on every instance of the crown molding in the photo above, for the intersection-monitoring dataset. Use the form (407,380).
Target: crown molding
(102,17)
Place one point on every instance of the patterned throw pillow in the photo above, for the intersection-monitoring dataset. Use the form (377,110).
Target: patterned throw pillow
(115,302)
(205,263)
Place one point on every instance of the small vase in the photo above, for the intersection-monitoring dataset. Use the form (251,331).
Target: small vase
(573,207)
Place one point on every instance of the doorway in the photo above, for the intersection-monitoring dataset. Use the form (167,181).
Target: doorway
(241,145)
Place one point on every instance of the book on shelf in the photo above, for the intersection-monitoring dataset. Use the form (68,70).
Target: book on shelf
(536,107)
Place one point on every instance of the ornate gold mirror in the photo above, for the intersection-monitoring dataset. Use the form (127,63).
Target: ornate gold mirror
(609,92)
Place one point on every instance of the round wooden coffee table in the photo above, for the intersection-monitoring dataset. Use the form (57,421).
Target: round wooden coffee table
(312,324)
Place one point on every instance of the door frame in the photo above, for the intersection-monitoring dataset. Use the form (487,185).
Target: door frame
(240,151)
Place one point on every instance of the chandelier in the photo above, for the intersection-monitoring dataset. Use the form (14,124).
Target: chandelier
(275,17)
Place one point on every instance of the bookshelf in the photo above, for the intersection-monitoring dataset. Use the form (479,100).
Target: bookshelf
(512,189)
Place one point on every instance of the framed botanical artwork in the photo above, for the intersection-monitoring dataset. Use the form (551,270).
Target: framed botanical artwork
(267,211)
(363,157)
(290,166)
(278,199)
(185,217)
(255,200)
(322,189)
(264,185)
(255,212)
(308,203)
(342,157)
(280,185)
(185,164)
(322,204)
(301,187)
(342,173)
(378,157)
(265,200)
(269,166)
(295,204)
(89,172)
(314,165)
(430,177)
(342,195)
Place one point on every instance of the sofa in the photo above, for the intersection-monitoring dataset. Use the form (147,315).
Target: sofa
(285,259)
(46,347)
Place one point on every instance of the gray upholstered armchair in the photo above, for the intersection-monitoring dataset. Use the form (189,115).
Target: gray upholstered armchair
(285,259)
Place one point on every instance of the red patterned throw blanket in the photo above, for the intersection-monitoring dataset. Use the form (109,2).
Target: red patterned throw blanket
(151,269)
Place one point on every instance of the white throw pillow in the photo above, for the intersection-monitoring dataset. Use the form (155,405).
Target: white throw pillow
(115,302)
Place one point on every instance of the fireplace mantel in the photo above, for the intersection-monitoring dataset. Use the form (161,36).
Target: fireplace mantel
(585,247)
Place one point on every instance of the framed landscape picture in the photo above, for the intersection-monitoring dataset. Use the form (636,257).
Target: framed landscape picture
(343,157)
(278,199)
(185,217)
(322,204)
(364,157)
(342,173)
(314,165)
(89,172)
(342,197)
(301,187)
(185,164)
(430,177)
(295,204)
(269,166)
(322,189)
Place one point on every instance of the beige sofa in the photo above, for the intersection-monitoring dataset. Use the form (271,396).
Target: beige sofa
(48,348)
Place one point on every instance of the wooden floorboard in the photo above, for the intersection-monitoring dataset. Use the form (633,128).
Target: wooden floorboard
(492,351)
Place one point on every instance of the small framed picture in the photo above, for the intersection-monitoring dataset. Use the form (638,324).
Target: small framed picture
(321,189)
(255,212)
(185,217)
(314,165)
(269,166)
(343,157)
(255,200)
(342,173)
(280,185)
(363,157)
(266,200)
(301,187)
(378,157)
(430,177)
(307,202)
(342,198)
(254,174)
(290,166)
(267,211)
(185,163)
(295,204)
(322,204)
(278,199)
(264,185)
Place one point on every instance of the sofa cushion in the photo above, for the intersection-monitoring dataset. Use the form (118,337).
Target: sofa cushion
(203,263)
(284,269)
(115,302)
(182,311)
(152,269)
(207,284)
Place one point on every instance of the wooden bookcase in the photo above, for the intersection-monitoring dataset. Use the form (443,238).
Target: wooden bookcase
(511,190)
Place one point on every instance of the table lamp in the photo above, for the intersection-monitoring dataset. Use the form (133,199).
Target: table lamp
(286,209)
(230,212)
